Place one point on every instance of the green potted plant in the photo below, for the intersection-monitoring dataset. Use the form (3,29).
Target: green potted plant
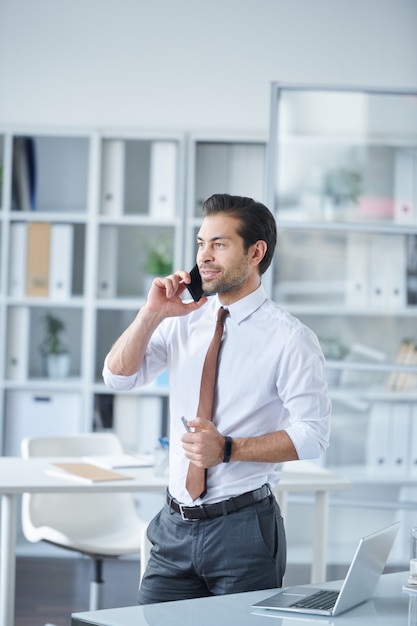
(57,359)
(333,350)
(342,186)
(158,262)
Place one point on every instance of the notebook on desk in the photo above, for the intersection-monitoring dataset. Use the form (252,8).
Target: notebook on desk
(359,585)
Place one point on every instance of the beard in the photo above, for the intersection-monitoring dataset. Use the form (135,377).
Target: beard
(229,280)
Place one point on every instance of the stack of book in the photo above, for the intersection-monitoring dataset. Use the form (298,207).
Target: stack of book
(404,380)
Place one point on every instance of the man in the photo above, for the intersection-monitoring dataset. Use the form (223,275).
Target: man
(271,406)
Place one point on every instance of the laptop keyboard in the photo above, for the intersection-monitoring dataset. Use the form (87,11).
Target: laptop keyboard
(322,600)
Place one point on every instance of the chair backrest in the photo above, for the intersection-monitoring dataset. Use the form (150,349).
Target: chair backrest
(84,444)
(45,516)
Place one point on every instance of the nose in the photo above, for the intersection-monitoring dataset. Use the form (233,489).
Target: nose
(204,255)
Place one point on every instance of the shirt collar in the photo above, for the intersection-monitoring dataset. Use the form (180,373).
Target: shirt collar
(244,307)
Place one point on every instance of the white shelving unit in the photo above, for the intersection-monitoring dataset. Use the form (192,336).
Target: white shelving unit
(121,198)
(342,179)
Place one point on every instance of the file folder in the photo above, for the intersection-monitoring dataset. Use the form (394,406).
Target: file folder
(113,177)
(163,179)
(37,280)
(18,259)
(60,276)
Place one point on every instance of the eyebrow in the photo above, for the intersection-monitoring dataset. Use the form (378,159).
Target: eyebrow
(215,238)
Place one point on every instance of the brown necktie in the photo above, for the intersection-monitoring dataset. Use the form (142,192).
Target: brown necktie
(196,476)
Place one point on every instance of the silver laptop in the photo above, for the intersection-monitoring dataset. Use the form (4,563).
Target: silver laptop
(359,585)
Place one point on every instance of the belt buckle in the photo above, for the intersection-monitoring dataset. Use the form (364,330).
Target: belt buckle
(186,519)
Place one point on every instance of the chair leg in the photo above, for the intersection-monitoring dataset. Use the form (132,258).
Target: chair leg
(96,586)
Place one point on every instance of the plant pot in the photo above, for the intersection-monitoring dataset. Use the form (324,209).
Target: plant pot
(57,365)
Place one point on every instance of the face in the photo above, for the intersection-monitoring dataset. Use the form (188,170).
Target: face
(224,265)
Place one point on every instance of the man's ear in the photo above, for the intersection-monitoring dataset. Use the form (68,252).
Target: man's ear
(258,251)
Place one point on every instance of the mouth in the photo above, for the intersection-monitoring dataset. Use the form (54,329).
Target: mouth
(208,274)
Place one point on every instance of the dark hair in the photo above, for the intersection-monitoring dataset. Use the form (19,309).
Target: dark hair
(256,221)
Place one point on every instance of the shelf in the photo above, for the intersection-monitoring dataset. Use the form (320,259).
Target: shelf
(370,366)
(330,310)
(303,139)
(74,302)
(360,394)
(119,303)
(139,220)
(47,216)
(44,386)
(370,226)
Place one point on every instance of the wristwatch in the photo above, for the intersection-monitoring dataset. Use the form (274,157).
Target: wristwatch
(227,450)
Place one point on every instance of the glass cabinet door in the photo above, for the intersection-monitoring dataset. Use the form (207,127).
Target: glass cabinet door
(342,181)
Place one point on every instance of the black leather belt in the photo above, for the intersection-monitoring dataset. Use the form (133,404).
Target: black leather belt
(208,511)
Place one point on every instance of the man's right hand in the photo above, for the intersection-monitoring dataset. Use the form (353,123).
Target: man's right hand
(164,297)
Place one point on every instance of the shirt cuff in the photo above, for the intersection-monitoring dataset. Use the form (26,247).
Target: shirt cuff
(116,381)
(307,445)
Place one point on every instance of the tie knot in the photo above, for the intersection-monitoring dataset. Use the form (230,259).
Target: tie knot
(221,314)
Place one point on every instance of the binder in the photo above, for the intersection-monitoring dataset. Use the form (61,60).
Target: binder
(18,259)
(389,436)
(60,275)
(395,263)
(163,179)
(378,439)
(113,177)
(387,267)
(17,353)
(411,256)
(357,268)
(22,183)
(37,279)
(379,247)
(107,262)
(400,421)
(405,186)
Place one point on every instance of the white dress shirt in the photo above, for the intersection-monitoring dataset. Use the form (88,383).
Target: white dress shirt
(270,378)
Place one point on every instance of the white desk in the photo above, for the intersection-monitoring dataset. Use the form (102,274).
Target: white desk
(388,607)
(18,476)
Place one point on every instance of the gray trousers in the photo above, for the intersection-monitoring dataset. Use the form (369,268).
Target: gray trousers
(242,551)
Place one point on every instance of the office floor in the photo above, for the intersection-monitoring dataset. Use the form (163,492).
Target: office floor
(50,589)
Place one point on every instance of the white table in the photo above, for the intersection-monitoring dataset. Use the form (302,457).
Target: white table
(305,476)
(389,607)
(19,475)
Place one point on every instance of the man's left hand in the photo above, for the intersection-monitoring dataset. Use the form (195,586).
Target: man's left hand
(204,446)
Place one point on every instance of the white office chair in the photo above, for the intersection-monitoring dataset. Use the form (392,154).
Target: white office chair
(97,525)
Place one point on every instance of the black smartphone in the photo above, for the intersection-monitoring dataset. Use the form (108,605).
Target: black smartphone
(195,287)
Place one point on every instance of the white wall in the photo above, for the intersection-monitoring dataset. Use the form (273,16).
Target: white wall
(188,64)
